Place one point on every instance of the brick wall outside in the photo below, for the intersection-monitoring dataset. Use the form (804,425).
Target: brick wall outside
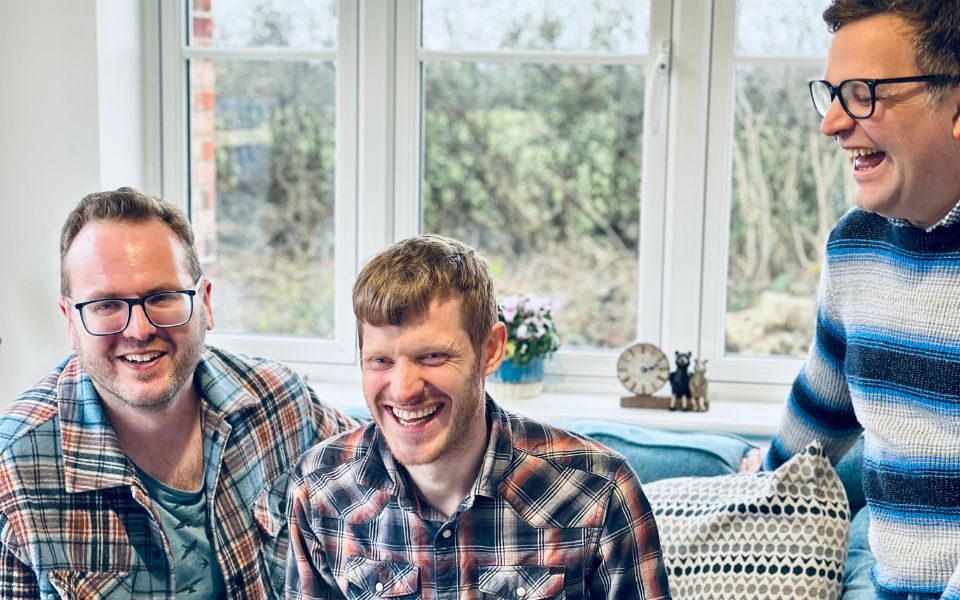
(203,165)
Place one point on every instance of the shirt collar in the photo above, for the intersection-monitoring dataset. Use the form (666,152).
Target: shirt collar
(220,388)
(92,456)
(949,219)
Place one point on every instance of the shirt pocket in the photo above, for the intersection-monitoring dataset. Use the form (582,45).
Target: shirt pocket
(90,584)
(533,582)
(368,579)
(270,514)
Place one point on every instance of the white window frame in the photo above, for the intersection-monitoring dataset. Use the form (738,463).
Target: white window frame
(777,370)
(175,55)
(686,197)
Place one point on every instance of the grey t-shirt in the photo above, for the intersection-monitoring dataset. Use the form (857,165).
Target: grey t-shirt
(184,519)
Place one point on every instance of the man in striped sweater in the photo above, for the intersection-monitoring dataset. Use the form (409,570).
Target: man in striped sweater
(885,360)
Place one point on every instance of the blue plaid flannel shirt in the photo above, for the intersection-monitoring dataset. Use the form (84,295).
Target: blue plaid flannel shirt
(76,521)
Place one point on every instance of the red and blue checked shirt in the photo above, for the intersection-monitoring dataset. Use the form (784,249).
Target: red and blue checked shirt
(76,520)
(551,515)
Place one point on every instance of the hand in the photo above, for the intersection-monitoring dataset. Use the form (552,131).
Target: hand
(751,461)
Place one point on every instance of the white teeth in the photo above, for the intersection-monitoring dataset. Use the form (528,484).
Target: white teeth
(413,415)
(141,358)
(857,152)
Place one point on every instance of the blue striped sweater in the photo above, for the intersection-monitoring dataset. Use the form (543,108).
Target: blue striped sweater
(885,361)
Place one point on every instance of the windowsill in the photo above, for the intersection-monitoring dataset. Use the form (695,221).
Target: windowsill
(753,419)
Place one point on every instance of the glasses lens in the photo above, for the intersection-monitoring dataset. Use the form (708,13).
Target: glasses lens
(857,98)
(169,309)
(105,317)
(821,92)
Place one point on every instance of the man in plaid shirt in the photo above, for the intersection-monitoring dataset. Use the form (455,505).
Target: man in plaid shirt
(445,494)
(148,465)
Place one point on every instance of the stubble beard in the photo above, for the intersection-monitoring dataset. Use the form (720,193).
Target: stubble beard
(184,364)
(458,438)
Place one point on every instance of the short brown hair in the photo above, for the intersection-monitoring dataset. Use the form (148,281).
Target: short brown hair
(126,204)
(936,24)
(400,282)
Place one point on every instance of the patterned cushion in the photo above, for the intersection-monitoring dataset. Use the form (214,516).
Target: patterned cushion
(780,534)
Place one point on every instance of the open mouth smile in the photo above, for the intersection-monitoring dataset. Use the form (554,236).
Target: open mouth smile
(144,358)
(414,417)
(866,159)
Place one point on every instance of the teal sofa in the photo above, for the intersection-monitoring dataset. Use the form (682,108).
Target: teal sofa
(657,454)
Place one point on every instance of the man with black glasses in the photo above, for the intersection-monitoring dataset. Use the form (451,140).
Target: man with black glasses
(148,465)
(885,361)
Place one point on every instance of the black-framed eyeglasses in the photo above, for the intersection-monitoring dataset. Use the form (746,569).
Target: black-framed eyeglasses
(858,97)
(110,316)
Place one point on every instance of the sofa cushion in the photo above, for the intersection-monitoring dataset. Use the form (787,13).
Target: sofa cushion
(657,454)
(779,534)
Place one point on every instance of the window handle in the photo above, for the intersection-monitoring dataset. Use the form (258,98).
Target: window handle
(657,80)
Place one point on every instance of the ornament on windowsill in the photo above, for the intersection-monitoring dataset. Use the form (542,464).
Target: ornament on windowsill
(644,369)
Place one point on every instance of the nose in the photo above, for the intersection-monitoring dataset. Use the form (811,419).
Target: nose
(406,382)
(139,327)
(836,120)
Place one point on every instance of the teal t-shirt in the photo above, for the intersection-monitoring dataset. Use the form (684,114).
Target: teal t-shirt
(184,519)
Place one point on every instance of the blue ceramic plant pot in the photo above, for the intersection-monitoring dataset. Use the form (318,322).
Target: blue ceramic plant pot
(516,381)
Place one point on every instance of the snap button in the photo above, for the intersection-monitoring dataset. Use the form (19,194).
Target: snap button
(446,533)
(378,587)
(521,592)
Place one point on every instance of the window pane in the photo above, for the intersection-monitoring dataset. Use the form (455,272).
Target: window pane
(794,28)
(788,191)
(603,26)
(264,23)
(538,166)
(262,192)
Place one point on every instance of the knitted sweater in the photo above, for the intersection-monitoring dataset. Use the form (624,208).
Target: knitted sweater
(885,361)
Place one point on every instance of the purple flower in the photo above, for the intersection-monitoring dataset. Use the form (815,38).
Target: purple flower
(509,305)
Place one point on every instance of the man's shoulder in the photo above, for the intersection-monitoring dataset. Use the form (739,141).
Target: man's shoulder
(858,225)
(249,369)
(563,448)
(33,413)
(343,478)
(560,479)
(336,455)
(230,378)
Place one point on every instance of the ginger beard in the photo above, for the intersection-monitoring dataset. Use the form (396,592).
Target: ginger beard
(441,431)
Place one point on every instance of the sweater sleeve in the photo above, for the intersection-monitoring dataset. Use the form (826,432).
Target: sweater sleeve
(819,405)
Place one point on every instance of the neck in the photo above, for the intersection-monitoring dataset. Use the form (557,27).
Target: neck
(444,483)
(166,443)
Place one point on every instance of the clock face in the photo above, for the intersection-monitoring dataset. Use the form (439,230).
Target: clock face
(643,368)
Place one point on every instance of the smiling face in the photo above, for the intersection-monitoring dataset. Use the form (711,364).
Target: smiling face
(423,382)
(143,367)
(906,157)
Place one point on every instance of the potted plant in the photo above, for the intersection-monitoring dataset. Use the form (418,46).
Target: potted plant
(531,338)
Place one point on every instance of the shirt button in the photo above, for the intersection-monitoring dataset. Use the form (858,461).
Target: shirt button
(446,533)
(521,592)
(378,587)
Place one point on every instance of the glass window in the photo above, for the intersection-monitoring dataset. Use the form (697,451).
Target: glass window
(264,24)
(537,163)
(262,169)
(621,26)
(787,180)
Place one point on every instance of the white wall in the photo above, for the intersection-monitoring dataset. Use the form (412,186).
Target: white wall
(57,144)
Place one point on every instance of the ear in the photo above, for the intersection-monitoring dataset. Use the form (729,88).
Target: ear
(207,308)
(65,309)
(955,102)
(494,348)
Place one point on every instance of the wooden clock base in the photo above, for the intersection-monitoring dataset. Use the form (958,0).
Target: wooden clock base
(645,402)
